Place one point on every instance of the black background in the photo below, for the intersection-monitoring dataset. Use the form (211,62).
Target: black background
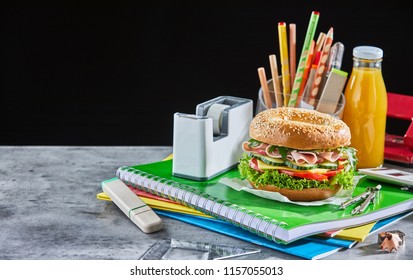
(115,75)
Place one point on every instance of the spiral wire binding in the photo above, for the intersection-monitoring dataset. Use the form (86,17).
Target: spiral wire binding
(156,185)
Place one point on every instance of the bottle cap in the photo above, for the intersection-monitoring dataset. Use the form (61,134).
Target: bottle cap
(368,52)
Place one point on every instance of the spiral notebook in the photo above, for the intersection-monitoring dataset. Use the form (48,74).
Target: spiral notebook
(353,234)
(278,221)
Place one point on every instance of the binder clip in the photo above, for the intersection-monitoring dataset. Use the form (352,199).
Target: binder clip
(399,149)
(210,142)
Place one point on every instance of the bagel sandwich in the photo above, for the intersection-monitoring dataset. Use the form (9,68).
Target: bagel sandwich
(303,154)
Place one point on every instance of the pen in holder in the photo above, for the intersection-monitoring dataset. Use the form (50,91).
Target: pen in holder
(302,102)
(210,142)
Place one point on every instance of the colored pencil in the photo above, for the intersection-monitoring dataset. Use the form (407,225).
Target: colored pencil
(275,80)
(303,58)
(320,42)
(292,48)
(264,87)
(313,70)
(319,46)
(307,70)
(285,68)
(321,66)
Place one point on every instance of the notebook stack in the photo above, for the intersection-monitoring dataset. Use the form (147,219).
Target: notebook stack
(309,232)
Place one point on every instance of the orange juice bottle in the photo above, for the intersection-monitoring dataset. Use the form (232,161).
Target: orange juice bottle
(366,106)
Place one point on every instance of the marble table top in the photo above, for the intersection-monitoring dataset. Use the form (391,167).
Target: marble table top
(49,209)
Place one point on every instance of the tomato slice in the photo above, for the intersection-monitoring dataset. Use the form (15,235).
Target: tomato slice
(311,176)
(306,175)
(332,173)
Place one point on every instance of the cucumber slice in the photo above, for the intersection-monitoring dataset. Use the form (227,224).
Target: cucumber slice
(300,166)
(328,165)
(272,161)
(255,155)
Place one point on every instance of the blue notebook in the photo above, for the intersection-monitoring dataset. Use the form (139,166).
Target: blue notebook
(311,248)
(302,248)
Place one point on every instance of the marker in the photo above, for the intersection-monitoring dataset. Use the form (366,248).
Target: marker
(134,208)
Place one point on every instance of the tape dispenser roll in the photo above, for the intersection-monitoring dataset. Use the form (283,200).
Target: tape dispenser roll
(215,112)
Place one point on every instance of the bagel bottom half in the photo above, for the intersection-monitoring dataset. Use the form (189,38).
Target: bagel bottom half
(310,194)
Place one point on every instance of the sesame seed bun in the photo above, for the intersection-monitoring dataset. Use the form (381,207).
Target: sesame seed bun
(299,128)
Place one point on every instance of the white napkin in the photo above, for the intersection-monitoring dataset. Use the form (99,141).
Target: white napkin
(244,185)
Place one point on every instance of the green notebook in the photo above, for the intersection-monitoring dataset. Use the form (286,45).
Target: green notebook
(278,221)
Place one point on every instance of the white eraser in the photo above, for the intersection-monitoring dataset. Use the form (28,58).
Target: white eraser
(331,92)
(133,207)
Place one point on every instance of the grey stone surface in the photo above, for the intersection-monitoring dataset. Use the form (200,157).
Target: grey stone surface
(49,210)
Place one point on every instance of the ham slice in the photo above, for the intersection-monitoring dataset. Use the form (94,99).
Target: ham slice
(274,153)
(301,157)
(331,156)
(259,149)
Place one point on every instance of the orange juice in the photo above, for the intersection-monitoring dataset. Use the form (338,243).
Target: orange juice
(365,111)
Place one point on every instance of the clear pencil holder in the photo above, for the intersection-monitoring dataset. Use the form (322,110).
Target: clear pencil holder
(302,102)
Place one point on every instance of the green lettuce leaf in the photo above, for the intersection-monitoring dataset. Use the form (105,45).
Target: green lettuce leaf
(281,180)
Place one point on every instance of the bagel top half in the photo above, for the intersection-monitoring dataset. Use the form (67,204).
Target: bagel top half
(299,128)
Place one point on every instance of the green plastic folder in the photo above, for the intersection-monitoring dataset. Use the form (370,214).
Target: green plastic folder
(278,221)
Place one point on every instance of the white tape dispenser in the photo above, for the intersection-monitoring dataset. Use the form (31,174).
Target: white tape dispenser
(209,143)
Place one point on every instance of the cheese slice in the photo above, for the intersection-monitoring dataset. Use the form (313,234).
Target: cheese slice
(262,165)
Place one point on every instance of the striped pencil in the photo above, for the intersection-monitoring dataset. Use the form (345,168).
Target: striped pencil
(311,75)
(307,70)
(321,66)
(320,42)
(303,58)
